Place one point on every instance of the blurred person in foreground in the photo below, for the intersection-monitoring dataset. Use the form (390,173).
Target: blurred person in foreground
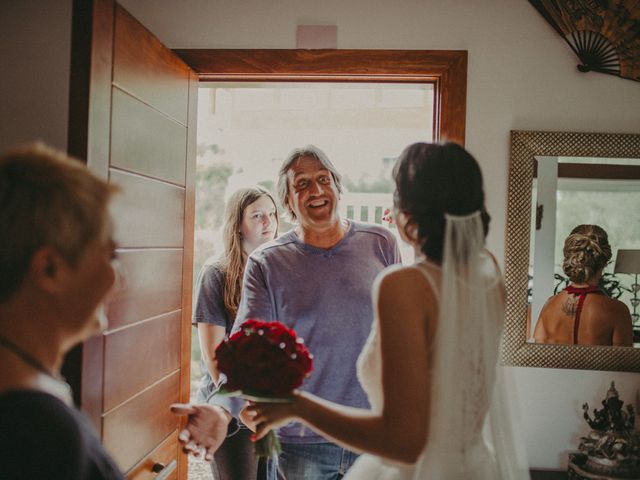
(56,267)
(56,255)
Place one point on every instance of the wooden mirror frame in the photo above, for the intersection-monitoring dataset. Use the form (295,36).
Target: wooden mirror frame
(525,146)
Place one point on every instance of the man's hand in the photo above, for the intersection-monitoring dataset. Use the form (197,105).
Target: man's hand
(206,428)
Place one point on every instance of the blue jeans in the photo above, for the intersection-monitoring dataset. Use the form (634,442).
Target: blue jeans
(312,461)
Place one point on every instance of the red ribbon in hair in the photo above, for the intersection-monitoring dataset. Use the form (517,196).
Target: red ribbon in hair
(582,293)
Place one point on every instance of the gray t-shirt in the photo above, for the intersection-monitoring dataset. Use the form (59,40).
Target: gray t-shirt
(209,308)
(325,296)
(209,298)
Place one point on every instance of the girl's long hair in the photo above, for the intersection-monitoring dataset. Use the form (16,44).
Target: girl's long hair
(234,257)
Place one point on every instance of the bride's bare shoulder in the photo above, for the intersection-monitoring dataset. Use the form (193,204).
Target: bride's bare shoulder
(399,272)
(404,280)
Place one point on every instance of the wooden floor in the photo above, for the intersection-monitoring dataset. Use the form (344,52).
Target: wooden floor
(199,470)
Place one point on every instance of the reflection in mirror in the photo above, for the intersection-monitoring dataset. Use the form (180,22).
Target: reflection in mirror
(566,192)
(605,196)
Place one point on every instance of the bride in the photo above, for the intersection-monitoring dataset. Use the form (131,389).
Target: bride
(430,365)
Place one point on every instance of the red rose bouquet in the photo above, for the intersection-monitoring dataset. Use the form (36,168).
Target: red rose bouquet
(263,361)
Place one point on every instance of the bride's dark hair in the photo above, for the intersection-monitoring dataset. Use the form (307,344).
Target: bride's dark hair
(434,179)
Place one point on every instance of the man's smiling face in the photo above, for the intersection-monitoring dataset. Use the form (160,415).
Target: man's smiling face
(313,195)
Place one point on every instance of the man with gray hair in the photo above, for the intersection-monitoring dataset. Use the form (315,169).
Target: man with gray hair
(317,279)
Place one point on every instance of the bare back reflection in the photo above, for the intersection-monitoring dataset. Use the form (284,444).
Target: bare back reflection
(582,313)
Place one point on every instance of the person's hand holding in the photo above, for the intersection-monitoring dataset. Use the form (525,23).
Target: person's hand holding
(206,428)
(265,417)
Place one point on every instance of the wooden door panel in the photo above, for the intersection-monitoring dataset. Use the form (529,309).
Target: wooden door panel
(150,284)
(149,70)
(137,427)
(147,213)
(163,454)
(147,352)
(132,116)
(146,141)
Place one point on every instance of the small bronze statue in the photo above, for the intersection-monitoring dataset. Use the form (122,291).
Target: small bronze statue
(611,418)
(612,449)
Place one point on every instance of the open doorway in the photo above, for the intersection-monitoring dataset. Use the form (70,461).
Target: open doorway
(245,130)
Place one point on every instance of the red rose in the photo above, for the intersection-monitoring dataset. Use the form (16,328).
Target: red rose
(264,358)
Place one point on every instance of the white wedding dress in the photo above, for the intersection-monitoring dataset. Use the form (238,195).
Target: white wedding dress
(471,429)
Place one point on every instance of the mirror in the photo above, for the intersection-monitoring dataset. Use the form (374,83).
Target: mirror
(588,165)
(571,191)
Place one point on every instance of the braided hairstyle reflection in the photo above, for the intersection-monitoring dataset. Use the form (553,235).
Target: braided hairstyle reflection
(586,252)
(434,179)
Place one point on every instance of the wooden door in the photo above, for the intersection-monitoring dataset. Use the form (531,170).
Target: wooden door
(132,116)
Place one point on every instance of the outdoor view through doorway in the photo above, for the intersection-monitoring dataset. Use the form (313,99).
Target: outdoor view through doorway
(246,130)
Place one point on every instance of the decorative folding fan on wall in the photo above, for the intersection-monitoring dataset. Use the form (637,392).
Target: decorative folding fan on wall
(604,34)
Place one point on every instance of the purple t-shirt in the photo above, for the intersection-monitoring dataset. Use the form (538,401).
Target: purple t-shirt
(325,296)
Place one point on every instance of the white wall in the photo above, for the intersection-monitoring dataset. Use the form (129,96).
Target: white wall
(35,54)
(521,76)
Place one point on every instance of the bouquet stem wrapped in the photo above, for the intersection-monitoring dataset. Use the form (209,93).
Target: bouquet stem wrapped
(268,446)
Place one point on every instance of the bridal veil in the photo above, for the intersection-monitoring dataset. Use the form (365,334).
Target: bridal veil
(473,430)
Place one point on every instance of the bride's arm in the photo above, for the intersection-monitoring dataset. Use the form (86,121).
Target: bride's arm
(399,432)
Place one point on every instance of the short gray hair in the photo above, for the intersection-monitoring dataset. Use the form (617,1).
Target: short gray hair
(297,153)
(46,199)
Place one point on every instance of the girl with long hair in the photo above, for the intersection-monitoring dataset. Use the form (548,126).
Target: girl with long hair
(251,219)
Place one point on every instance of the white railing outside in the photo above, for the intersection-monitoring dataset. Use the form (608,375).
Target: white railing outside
(365,207)
(370,208)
